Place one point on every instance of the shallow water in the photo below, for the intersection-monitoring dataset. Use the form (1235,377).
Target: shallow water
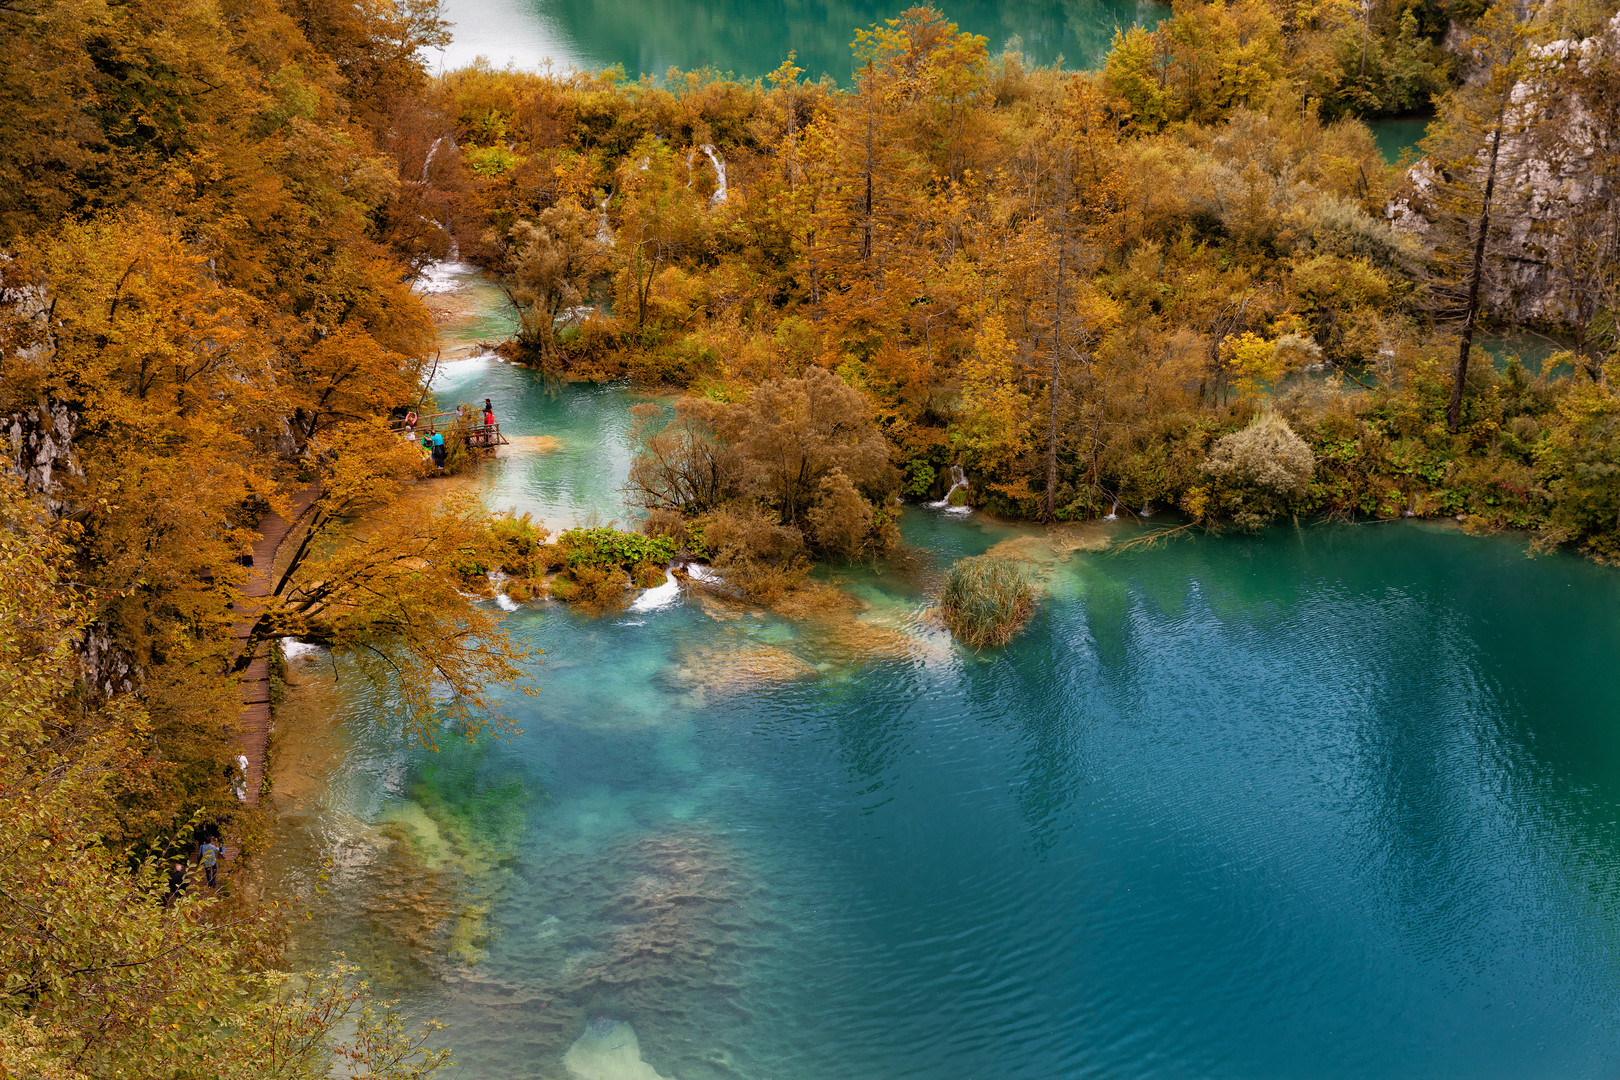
(750,38)
(1328,802)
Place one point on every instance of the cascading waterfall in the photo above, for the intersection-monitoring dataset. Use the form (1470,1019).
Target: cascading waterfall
(1113,513)
(604,231)
(660,596)
(719,164)
(433,152)
(958,480)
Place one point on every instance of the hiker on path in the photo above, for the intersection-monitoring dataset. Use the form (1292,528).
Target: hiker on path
(208,856)
(438,449)
(410,424)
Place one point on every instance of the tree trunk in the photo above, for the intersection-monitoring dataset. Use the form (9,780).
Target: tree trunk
(866,214)
(1049,510)
(1471,311)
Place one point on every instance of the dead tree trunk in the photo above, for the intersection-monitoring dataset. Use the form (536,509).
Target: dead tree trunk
(1476,272)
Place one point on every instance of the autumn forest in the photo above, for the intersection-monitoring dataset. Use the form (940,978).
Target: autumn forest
(1185,288)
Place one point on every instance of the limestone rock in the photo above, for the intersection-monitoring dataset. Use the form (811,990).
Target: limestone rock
(608,1050)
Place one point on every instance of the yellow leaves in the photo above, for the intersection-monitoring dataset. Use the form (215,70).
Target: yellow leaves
(1097,311)
(142,317)
(1130,73)
(1251,360)
(1331,281)
(991,428)
(1254,363)
(349,376)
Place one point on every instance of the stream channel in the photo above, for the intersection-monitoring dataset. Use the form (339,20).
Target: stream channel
(1331,801)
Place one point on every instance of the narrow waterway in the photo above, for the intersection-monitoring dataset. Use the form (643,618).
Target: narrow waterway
(1337,801)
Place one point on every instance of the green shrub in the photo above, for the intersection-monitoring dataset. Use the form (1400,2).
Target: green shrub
(606,547)
(987,599)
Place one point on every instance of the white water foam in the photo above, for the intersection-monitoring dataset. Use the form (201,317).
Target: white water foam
(443,277)
(719,164)
(505,603)
(665,595)
(958,480)
(292,648)
(451,373)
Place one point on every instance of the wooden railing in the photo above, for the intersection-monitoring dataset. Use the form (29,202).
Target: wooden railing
(478,433)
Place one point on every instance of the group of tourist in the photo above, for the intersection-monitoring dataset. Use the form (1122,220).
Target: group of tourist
(209,850)
(433,440)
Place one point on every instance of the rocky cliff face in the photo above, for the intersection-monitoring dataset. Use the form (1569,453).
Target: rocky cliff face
(41,445)
(39,451)
(1553,182)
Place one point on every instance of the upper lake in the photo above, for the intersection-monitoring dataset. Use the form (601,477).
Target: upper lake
(751,39)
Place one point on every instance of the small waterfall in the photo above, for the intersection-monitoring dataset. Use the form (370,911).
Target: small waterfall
(660,596)
(433,152)
(719,163)
(958,480)
(1113,514)
(604,231)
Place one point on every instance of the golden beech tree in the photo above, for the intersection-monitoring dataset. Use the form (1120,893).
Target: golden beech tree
(384,579)
(659,219)
(550,263)
(348,377)
(991,429)
(107,972)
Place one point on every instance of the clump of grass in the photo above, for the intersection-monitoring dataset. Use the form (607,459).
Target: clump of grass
(987,599)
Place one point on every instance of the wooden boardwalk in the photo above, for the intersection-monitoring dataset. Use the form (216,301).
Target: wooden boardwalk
(254,725)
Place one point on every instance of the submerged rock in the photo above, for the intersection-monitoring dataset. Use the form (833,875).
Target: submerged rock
(608,1050)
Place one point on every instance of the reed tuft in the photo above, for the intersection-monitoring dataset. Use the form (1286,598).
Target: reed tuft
(987,599)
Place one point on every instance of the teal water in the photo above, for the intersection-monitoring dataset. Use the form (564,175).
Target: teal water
(1530,348)
(1341,801)
(751,39)
(1398,135)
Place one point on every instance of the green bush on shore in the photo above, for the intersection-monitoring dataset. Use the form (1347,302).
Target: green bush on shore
(987,599)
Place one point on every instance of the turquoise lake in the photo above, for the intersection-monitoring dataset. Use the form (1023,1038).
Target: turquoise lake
(750,39)
(1332,801)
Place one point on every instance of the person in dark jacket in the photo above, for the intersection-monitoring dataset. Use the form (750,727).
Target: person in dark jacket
(177,881)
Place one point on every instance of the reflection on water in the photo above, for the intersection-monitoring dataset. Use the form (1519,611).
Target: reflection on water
(1327,802)
(751,38)
(1333,802)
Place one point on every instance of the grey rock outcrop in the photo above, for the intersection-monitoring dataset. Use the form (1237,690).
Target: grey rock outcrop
(1547,181)
(40,441)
